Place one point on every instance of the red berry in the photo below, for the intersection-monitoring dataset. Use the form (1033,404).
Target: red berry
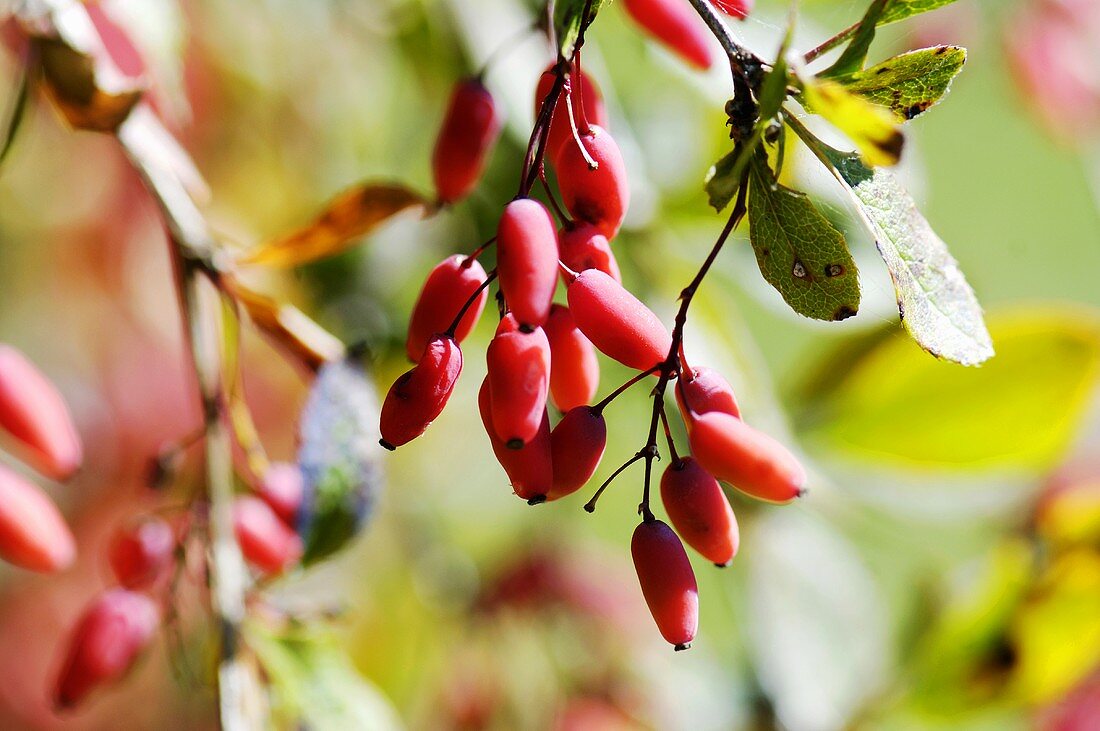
(266,542)
(750,460)
(586,99)
(419,395)
(704,390)
(599,196)
(616,322)
(527,260)
(141,552)
(530,469)
(574,368)
(33,534)
(668,582)
(33,412)
(450,285)
(107,641)
(470,129)
(739,9)
(282,488)
(584,247)
(675,24)
(700,511)
(577,444)
(519,379)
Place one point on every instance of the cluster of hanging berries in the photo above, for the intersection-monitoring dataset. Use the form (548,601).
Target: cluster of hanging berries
(544,353)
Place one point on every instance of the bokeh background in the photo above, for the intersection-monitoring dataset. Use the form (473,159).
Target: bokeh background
(943,572)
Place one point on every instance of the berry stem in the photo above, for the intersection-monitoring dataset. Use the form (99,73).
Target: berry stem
(450,331)
(743,62)
(478,251)
(563,217)
(590,506)
(668,437)
(598,408)
(831,43)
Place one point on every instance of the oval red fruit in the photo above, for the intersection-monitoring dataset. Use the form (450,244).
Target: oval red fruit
(527,260)
(519,379)
(588,107)
(676,25)
(266,542)
(600,196)
(449,286)
(141,552)
(470,128)
(33,535)
(748,459)
(530,469)
(282,488)
(704,390)
(574,368)
(582,246)
(700,511)
(33,412)
(109,638)
(667,580)
(419,395)
(616,322)
(577,444)
(739,9)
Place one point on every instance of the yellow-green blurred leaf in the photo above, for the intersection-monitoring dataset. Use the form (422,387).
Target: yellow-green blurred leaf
(871,128)
(1071,516)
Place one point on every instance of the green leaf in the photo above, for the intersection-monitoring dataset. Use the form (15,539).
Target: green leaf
(901,9)
(799,252)
(871,128)
(855,54)
(1021,410)
(909,84)
(339,458)
(568,21)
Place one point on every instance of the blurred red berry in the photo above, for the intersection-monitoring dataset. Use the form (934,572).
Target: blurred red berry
(282,487)
(616,322)
(471,127)
(675,24)
(266,542)
(449,286)
(667,580)
(419,395)
(527,260)
(750,460)
(588,107)
(598,196)
(33,535)
(574,368)
(142,552)
(700,511)
(737,8)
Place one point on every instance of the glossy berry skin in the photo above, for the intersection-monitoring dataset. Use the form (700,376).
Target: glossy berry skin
(266,542)
(33,535)
(700,511)
(677,26)
(470,128)
(737,8)
(527,260)
(582,246)
(748,459)
(586,99)
(33,412)
(107,641)
(518,365)
(599,196)
(419,395)
(704,390)
(529,469)
(577,444)
(282,488)
(449,286)
(667,580)
(574,369)
(616,322)
(141,553)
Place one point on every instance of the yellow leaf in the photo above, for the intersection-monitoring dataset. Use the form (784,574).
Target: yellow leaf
(85,91)
(290,328)
(872,128)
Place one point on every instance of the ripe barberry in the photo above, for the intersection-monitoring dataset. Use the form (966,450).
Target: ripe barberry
(518,365)
(577,444)
(700,511)
(676,25)
(703,390)
(667,580)
(282,488)
(447,289)
(33,535)
(581,246)
(419,395)
(737,8)
(265,541)
(529,469)
(141,552)
(527,260)
(616,322)
(598,196)
(587,102)
(470,128)
(574,368)
(746,458)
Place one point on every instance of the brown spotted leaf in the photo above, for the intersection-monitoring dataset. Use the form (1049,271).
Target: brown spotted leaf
(351,215)
(799,252)
(909,84)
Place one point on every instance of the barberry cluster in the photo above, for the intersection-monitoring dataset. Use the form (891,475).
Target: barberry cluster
(543,353)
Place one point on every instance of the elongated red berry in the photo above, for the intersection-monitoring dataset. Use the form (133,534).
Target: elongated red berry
(518,365)
(266,541)
(700,511)
(676,25)
(574,368)
(588,107)
(703,390)
(141,552)
(746,458)
(599,196)
(33,412)
(33,535)
(471,127)
(616,322)
(419,395)
(668,582)
(530,468)
(577,444)
(582,246)
(450,285)
(108,640)
(739,9)
(527,260)
(282,488)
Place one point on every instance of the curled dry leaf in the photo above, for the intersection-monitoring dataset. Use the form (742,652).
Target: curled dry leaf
(290,328)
